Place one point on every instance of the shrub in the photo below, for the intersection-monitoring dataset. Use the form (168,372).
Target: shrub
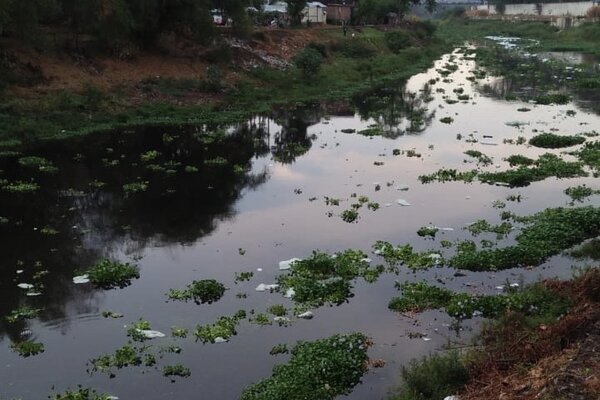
(434,377)
(397,40)
(309,61)
(593,12)
(424,29)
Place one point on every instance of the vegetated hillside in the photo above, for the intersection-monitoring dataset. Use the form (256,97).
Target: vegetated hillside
(31,70)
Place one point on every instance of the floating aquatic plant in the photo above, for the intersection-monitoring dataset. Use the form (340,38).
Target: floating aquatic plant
(222,329)
(109,274)
(202,291)
(27,348)
(319,370)
(552,141)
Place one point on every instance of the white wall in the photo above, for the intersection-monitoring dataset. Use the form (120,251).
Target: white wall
(555,9)
(315,15)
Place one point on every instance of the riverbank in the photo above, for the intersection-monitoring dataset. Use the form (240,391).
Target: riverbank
(62,96)
(549,353)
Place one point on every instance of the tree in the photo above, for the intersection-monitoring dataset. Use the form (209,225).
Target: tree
(294,9)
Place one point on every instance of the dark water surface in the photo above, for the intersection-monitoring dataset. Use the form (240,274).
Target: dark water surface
(248,187)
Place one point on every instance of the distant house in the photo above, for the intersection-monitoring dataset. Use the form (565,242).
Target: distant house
(339,11)
(315,12)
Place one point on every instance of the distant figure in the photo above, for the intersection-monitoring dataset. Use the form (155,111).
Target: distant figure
(344,29)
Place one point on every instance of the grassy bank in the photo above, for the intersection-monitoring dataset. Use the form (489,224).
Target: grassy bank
(544,352)
(349,65)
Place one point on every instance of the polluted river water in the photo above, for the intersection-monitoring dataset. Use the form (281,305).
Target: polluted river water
(192,203)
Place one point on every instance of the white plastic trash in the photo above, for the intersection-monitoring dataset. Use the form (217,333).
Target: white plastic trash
(263,287)
(306,315)
(149,334)
(403,202)
(81,279)
(289,293)
(25,286)
(287,264)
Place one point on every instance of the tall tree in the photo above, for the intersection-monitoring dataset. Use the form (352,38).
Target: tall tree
(294,9)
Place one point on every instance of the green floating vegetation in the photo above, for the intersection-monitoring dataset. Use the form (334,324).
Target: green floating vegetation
(580,192)
(544,234)
(23,313)
(481,226)
(349,216)
(323,278)
(405,255)
(135,330)
(428,231)
(517,159)
(222,329)
(552,141)
(19,186)
(27,348)
(135,187)
(546,166)
(480,157)
(371,131)
(81,394)
(319,370)
(125,356)
(109,274)
(260,319)
(202,291)
(281,348)
(590,154)
(533,300)
(447,120)
(38,163)
(243,276)
(278,310)
(433,377)
(448,175)
(176,370)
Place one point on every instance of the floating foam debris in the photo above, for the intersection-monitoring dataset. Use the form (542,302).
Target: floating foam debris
(441,228)
(33,293)
(219,339)
(290,293)
(263,287)
(25,286)
(81,279)
(287,264)
(403,202)
(150,334)
(19,271)
(281,319)
(306,315)
(402,188)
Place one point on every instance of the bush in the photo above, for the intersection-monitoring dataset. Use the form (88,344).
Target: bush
(424,29)
(354,48)
(593,12)
(309,61)
(434,378)
(397,40)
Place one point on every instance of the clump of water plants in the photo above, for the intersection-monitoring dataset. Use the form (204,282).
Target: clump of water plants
(405,255)
(482,225)
(243,276)
(552,141)
(260,319)
(281,348)
(447,120)
(109,274)
(179,332)
(123,357)
(323,279)
(319,370)
(448,175)
(544,234)
(278,310)
(350,215)
(176,370)
(202,291)
(38,163)
(480,157)
(19,186)
(27,348)
(135,187)
(532,300)
(371,131)
(81,394)
(589,249)
(428,231)
(580,192)
(221,330)
(23,313)
(136,330)
(517,159)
